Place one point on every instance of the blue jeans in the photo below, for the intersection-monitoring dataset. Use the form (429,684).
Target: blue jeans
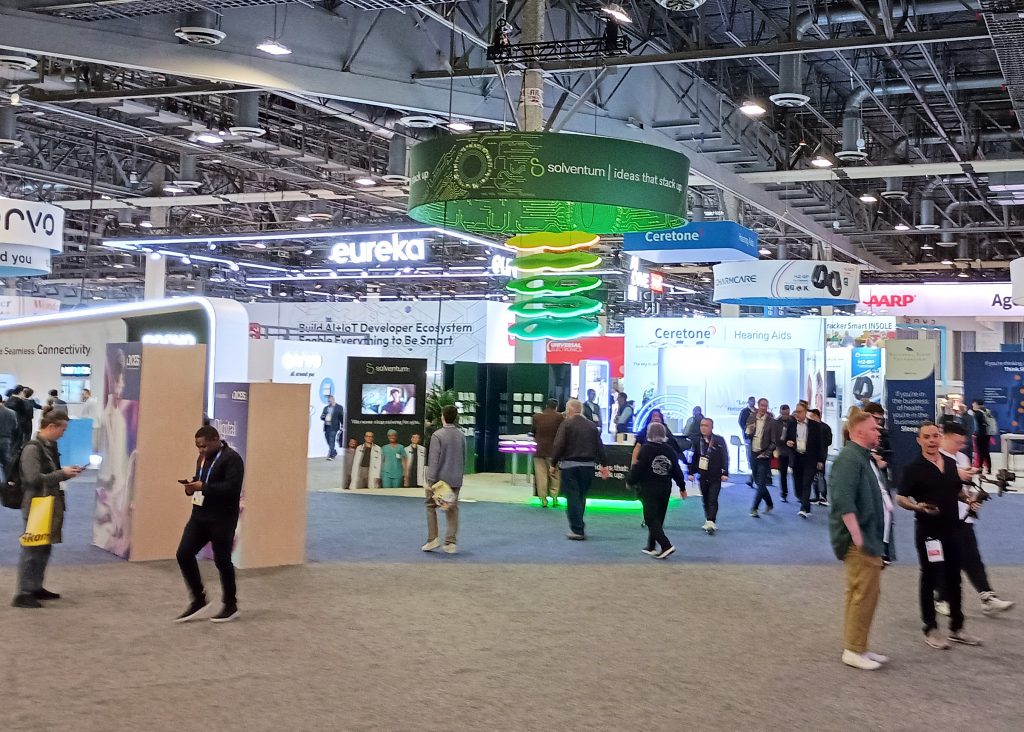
(332,441)
(762,479)
(575,484)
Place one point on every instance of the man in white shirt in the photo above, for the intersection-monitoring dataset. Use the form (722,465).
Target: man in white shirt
(954,437)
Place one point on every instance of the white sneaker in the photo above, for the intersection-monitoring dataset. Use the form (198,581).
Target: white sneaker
(942,608)
(707,525)
(803,514)
(451,549)
(861,661)
(991,604)
(712,529)
(876,657)
(431,545)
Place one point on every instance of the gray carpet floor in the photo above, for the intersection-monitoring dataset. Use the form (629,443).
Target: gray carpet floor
(450,646)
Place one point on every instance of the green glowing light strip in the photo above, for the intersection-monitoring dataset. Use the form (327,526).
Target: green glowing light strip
(556,307)
(553,285)
(557,262)
(556,329)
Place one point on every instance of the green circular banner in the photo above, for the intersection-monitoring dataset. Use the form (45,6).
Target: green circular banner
(523,182)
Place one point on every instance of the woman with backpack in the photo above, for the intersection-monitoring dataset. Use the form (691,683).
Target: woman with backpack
(657,465)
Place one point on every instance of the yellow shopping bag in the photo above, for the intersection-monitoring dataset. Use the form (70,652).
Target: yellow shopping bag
(40,522)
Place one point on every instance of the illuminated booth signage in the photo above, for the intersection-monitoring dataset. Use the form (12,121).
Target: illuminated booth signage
(699,241)
(29,233)
(798,283)
(379,251)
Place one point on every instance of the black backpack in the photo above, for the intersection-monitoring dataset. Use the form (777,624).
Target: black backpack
(12,493)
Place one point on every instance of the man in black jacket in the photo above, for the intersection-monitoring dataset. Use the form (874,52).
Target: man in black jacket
(656,466)
(744,418)
(711,461)
(216,491)
(332,417)
(820,483)
(577,451)
(804,441)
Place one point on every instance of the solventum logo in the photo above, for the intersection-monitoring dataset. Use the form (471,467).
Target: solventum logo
(889,301)
(379,252)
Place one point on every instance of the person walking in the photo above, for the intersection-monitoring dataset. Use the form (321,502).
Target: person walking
(783,453)
(820,483)
(216,492)
(761,432)
(41,475)
(8,437)
(856,528)
(545,427)
(577,451)
(711,462)
(394,460)
(22,404)
(446,463)
(57,403)
(691,430)
(931,488)
(332,416)
(983,434)
(806,446)
(416,465)
(366,465)
(656,467)
(744,418)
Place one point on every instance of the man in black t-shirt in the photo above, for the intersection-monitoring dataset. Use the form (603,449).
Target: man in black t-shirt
(931,488)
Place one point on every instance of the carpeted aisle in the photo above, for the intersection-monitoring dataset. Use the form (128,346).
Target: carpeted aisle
(522,631)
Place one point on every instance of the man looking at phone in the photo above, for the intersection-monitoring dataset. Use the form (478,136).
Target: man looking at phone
(931,488)
(41,475)
(216,491)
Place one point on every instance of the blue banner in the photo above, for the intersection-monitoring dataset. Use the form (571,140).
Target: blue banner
(910,395)
(998,379)
(698,241)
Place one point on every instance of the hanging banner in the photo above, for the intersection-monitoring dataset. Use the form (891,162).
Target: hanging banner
(29,232)
(998,378)
(945,299)
(699,241)
(16,306)
(910,390)
(796,283)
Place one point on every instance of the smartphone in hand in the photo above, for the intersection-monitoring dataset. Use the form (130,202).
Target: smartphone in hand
(185,481)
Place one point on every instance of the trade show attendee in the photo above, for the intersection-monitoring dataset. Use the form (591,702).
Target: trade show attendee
(884,450)
(591,409)
(332,416)
(41,475)
(394,406)
(416,466)
(744,418)
(761,431)
(782,452)
(545,427)
(656,417)
(91,409)
(446,464)
(953,439)
(623,414)
(348,462)
(930,487)
(22,404)
(845,428)
(8,437)
(856,529)
(710,461)
(820,483)
(807,456)
(985,429)
(58,403)
(216,491)
(393,462)
(366,464)
(691,430)
(577,451)
(656,467)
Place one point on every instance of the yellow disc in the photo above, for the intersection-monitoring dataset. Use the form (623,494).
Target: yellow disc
(552,241)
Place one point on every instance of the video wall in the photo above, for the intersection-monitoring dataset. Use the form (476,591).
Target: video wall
(385,394)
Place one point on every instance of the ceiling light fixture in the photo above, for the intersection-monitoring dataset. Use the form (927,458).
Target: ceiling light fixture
(820,161)
(764,251)
(304,218)
(146,224)
(616,12)
(366,182)
(901,227)
(457,126)
(307,252)
(868,198)
(172,189)
(947,260)
(752,108)
(926,247)
(962,275)
(273,47)
(208,137)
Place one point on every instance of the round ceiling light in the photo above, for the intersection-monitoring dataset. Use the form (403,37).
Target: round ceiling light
(420,121)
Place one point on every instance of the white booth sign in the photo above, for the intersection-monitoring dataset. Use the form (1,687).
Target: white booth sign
(29,232)
(18,260)
(14,306)
(953,299)
(779,283)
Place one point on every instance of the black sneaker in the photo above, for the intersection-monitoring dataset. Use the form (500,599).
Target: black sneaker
(25,601)
(45,594)
(785,499)
(193,612)
(226,615)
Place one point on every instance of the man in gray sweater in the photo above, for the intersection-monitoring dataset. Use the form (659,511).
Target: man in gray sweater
(446,462)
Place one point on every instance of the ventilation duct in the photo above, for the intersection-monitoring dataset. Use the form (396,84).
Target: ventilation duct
(790,93)
(187,176)
(853,125)
(9,129)
(697,212)
(320,211)
(927,220)
(397,152)
(247,121)
(200,29)
(15,61)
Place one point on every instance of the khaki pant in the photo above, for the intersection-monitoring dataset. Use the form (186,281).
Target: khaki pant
(451,518)
(863,580)
(547,486)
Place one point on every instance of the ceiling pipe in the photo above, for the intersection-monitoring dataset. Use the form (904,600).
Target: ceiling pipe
(946,237)
(852,148)
(790,93)
(247,120)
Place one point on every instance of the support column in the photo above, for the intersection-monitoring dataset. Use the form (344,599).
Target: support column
(156,276)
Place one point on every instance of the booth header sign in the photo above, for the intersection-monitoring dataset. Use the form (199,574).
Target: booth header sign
(386,250)
(938,300)
(29,232)
(14,306)
(806,333)
(799,282)
(699,241)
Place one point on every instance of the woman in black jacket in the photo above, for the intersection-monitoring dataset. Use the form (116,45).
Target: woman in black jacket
(656,467)
(656,417)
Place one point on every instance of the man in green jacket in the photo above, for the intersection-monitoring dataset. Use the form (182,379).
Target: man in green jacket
(856,529)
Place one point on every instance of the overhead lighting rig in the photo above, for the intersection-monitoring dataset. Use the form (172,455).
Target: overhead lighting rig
(503,51)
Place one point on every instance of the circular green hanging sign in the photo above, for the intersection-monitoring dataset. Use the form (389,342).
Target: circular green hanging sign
(523,182)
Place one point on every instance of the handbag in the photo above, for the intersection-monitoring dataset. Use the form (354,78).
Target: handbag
(40,522)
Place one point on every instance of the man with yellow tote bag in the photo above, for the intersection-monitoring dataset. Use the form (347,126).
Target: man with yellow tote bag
(42,508)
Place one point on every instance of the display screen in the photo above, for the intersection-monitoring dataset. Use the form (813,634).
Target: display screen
(389,399)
